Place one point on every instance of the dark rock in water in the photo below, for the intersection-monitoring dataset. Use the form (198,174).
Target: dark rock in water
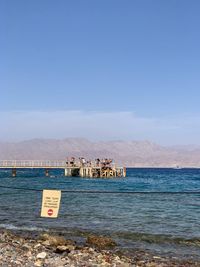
(53,240)
(69,242)
(101,242)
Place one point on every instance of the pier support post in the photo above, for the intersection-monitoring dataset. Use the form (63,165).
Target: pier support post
(124,172)
(14,172)
(68,172)
(90,172)
(81,172)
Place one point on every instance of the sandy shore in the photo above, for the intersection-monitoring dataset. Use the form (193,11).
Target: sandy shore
(55,251)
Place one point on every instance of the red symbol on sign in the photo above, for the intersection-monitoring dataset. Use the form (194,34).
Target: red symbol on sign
(50,212)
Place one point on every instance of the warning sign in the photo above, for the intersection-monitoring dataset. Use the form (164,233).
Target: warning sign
(50,203)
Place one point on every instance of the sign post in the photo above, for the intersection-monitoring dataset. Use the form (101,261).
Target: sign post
(50,203)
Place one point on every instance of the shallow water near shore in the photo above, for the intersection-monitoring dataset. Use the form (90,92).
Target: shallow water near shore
(165,223)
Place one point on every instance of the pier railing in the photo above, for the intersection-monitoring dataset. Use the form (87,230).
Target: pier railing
(32,164)
(46,164)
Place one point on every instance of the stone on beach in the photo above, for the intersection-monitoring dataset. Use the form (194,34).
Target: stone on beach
(41,255)
(67,248)
(38,263)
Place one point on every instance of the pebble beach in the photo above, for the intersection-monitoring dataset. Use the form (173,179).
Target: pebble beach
(55,251)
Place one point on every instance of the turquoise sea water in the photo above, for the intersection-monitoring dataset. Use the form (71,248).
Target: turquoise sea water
(167,223)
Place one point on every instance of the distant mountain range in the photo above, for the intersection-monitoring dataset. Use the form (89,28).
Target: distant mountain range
(128,153)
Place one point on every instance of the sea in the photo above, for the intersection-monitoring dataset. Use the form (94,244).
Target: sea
(157,215)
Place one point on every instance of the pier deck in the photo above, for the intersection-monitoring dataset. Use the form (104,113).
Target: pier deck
(76,169)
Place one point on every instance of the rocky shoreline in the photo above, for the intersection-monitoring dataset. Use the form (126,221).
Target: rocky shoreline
(48,250)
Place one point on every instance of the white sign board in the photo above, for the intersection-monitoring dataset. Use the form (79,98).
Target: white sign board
(50,203)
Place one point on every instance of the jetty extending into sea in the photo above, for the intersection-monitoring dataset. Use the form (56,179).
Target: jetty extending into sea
(99,168)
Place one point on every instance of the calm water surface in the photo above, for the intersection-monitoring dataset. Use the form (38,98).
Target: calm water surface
(167,223)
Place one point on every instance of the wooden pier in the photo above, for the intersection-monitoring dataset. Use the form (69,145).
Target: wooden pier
(71,168)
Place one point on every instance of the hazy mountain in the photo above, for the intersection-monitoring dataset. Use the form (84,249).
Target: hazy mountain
(129,153)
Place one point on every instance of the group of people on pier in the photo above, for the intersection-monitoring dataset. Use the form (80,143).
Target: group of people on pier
(103,163)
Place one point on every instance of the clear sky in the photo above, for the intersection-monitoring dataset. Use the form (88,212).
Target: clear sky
(129,68)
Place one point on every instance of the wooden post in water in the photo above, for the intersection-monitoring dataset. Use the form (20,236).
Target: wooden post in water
(46,172)
(14,172)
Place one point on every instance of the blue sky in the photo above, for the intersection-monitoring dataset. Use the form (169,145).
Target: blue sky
(135,63)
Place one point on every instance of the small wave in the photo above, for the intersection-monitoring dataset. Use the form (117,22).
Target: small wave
(22,228)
